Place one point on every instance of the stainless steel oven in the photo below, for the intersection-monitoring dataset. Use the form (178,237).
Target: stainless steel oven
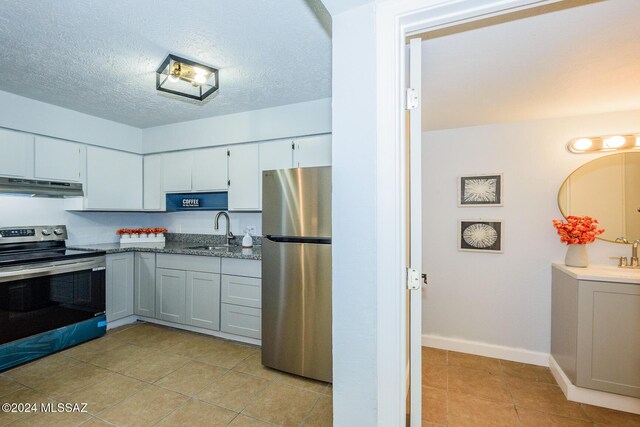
(51,297)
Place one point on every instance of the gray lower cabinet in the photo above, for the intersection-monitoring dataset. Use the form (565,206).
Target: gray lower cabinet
(144,295)
(594,333)
(203,300)
(119,286)
(188,290)
(609,337)
(241,307)
(171,292)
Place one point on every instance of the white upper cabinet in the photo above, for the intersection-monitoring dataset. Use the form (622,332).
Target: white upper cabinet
(114,179)
(244,177)
(176,171)
(312,151)
(276,154)
(16,154)
(152,180)
(57,160)
(209,170)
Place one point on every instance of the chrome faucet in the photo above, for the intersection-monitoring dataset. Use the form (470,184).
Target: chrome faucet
(634,253)
(229,235)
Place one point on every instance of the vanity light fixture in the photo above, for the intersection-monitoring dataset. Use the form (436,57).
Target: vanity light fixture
(594,144)
(182,77)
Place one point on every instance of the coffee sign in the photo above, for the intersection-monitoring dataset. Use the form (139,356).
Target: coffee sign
(191,203)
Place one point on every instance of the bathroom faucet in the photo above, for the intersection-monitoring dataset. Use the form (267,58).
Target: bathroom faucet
(229,235)
(634,253)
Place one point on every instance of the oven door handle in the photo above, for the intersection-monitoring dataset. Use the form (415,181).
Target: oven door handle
(52,269)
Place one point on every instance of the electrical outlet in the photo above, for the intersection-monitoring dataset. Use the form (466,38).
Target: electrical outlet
(252,229)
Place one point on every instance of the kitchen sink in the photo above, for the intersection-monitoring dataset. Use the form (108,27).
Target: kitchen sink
(209,248)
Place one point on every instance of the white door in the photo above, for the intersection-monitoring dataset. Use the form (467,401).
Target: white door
(209,169)
(244,177)
(312,151)
(275,155)
(153,198)
(57,160)
(414,231)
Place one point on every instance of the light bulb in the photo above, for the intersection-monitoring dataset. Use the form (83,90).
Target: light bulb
(582,144)
(200,71)
(199,78)
(637,141)
(614,141)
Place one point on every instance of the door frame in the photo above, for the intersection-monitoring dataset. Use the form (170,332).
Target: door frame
(395,21)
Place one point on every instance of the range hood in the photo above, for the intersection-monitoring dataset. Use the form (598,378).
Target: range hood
(40,188)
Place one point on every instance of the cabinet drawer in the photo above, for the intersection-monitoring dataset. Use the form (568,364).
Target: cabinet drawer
(205,264)
(238,320)
(242,267)
(245,291)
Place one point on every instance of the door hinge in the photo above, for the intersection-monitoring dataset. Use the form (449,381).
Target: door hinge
(412,99)
(228,153)
(293,145)
(228,182)
(413,279)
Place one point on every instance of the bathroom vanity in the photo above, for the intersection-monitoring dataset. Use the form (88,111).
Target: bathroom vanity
(595,327)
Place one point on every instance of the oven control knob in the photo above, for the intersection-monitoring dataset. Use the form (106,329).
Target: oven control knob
(46,232)
(58,231)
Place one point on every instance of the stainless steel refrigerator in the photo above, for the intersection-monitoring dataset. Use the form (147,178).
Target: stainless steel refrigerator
(296,271)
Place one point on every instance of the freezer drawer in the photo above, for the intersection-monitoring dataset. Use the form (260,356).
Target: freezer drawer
(296,308)
(297,202)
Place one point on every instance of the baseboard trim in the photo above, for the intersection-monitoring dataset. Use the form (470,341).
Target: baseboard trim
(204,331)
(121,322)
(592,397)
(489,350)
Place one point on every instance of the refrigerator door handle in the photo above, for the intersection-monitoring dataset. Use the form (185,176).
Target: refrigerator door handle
(296,239)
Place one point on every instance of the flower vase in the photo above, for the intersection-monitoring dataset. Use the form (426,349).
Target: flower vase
(576,256)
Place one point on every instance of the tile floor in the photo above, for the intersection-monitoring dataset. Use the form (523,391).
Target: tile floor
(143,375)
(464,390)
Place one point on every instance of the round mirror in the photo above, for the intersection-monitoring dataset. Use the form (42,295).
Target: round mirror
(607,189)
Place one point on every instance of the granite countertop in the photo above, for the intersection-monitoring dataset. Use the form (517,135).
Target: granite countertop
(180,244)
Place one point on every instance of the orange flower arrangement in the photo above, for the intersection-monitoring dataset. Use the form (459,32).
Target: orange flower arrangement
(578,229)
(122,231)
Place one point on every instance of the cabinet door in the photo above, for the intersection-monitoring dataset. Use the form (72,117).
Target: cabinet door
(209,170)
(312,151)
(57,160)
(152,183)
(176,171)
(275,155)
(119,278)
(171,291)
(239,320)
(144,297)
(203,300)
(244,177)
(17,154)
(114,179)
(608,337)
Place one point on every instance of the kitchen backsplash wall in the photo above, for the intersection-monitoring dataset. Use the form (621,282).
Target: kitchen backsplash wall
(100,227)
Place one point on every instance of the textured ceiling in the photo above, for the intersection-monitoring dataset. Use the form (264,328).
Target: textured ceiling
(581,60)
(99,57)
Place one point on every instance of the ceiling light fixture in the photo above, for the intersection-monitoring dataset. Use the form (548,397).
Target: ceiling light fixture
(594,144)
(183,77)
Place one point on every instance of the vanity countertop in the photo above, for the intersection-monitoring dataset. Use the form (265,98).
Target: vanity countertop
(602,273)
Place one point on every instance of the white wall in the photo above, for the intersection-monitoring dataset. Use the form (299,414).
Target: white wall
(305,118)
(203,222)
(503,299)
(37,117)
(83,228)
(355,362)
